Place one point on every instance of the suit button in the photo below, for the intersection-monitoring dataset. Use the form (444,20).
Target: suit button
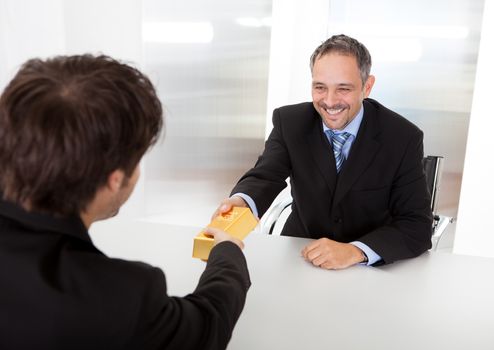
(338,220)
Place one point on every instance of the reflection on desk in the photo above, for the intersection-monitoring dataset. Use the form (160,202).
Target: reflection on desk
(435,301)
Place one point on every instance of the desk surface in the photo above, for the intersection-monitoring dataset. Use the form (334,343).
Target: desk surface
(436,301)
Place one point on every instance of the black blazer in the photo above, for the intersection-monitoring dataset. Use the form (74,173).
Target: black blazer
(380,196)
(59,292)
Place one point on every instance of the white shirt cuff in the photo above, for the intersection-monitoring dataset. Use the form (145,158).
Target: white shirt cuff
(249,201)
(371,255)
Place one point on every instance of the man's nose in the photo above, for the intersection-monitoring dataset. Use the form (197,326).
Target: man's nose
(330,98)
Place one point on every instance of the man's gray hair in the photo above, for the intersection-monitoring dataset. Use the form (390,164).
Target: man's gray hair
(345,45)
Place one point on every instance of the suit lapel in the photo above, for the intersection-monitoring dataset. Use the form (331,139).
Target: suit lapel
(362,153)
(320,149)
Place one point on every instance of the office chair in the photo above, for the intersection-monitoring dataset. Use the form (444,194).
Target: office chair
(433,167)
(275,217)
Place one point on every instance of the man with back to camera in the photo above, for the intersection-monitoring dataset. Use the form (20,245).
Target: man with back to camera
(72,132)
(355,168)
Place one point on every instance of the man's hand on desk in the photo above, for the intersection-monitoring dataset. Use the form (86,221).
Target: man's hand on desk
(330,254)
(227,205)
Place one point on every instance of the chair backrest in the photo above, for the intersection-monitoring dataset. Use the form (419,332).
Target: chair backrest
(273,220)
(433,170)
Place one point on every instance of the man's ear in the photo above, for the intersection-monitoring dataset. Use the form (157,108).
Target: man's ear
(115,180)
(368,85)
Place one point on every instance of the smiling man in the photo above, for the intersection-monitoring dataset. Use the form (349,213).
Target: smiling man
(355,168)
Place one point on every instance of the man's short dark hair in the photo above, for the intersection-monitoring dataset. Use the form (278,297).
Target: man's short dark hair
(345,45)
(66,123)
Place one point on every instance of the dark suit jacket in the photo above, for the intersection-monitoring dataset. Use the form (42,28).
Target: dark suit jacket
(57,291)
(380,196)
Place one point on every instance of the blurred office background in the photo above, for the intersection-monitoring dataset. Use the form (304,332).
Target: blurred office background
(210,60)
(221,67)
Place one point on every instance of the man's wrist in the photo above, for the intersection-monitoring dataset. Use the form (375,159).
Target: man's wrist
(371,254)
(365,259)
(249,202)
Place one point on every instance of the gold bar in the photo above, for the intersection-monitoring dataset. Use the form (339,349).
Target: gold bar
(238,222)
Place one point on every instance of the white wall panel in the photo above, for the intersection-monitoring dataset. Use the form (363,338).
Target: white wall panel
(474,231)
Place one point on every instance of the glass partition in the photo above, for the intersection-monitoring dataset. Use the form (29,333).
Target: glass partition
(210,61)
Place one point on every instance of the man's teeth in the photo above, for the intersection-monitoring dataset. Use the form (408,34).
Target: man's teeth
(333,111)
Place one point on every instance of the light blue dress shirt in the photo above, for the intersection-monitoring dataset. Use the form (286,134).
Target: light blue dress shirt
(352,128)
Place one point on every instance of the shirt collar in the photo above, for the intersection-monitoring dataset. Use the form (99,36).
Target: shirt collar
(351,128)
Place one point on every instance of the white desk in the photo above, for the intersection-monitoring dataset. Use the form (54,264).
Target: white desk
(437,301)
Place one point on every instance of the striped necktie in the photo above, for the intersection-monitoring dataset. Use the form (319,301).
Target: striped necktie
(338,141)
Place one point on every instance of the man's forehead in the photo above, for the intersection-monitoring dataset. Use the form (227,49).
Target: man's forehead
(338,83)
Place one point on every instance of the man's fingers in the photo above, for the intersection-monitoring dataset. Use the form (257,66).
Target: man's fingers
(210,231)
(314,254)
(228,204)
(221,209)
(327,266)
(308,248)
(224,207)
(221,236)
